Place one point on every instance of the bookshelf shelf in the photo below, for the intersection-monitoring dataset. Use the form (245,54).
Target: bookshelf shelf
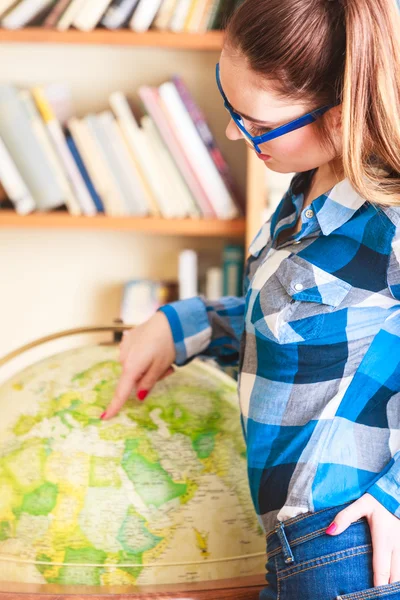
(185,227)
(211,40)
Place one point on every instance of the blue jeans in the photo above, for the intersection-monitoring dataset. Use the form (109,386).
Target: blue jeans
(304,563)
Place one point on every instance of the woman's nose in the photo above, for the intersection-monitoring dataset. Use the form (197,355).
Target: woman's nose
(232,132)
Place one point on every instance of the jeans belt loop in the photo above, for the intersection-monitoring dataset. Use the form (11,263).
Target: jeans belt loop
(286,549)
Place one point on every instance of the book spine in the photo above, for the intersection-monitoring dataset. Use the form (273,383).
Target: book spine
(119,13)
(201,160)
(136,140)
(24,12)
(144,15)
(6,5)
(90,15)
(206,135)
(84,173)
(69,15)
(13,183)
(166,128)
(56,13)
(78,185)
(178,20)
(233,263)
(165,14)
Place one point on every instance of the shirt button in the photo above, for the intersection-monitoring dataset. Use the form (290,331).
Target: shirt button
(309,213)
(297,242)
(298,287)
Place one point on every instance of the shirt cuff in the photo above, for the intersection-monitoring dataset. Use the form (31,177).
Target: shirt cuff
(387,489)
(190,328)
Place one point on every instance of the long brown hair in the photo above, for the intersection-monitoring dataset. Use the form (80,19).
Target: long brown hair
(335,51)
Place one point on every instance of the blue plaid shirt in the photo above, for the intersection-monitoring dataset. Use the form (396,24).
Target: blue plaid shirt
(317,336)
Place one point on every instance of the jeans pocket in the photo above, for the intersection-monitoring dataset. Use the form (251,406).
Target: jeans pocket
(391,591)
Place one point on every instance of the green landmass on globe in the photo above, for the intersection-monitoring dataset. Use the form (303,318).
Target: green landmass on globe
(158,494)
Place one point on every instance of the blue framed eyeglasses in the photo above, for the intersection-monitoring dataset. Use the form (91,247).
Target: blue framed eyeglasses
(274,133)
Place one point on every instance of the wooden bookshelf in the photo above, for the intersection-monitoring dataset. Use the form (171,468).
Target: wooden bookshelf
(185,227)
(211,40)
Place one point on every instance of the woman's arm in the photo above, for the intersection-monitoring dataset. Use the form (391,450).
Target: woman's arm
(204,327)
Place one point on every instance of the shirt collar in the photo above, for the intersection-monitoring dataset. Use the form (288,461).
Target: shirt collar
(332,210)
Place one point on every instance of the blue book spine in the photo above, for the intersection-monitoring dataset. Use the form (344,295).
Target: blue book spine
(81,166)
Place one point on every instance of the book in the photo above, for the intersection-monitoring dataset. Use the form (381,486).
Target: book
(208,139)
(40,129)
(174,201)
(201,161)
(205,17)
(233,263)
(27,152)
(90,14)
(55,14)
(95,164)
(68,16)
(136,201)
(63,152)
(85,175)
(6,5)
(150,99)
(137,142)
(24,12)
(144,15)
(13,184)
(179,17)
(188,274)
(165,14)
(118,13)
(120,204)
(194,18)
(214,289)
(189,16)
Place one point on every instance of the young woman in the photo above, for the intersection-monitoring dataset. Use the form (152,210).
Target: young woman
(313,87)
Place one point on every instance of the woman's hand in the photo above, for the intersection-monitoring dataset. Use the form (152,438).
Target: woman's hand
(146,353)
(385,533)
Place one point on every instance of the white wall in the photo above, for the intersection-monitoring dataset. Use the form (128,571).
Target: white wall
(51,280)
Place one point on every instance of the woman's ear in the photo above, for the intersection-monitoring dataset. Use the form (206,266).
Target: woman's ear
(335,115)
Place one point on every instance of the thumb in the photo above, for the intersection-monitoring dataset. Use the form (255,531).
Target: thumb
(346,517)
(148,381)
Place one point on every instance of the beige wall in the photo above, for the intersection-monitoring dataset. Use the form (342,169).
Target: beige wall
(51,280)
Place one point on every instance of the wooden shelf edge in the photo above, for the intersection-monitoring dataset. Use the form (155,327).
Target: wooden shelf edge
(186,227)
(211,40)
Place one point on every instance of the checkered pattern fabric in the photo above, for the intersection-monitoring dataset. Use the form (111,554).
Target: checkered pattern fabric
(317,336)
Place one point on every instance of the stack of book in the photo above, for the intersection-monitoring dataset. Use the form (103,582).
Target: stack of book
(191,16)
(166,165)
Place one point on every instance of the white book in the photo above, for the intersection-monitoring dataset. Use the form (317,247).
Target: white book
(118,206)
(199,156)
(69,15)
(144,14)
(27,152)
(137,141)
(175,186)
(5,5)
(165,14)
(193,25)
(91,14)
(13,183)
(179,16)
(117,15)
(60,145)
(42,135)
(129,177)
(24,12)
(95,163)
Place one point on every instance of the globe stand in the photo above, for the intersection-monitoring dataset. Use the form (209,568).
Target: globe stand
(244,588)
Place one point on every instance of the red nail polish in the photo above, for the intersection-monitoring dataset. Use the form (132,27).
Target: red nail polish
(331,529)
(103,415)
(142,394)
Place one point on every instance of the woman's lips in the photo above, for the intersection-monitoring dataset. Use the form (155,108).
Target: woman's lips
(263,156)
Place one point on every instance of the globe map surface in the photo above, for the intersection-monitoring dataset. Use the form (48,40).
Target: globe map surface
(156,495)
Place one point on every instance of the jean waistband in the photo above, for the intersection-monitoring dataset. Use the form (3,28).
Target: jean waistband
(300,529)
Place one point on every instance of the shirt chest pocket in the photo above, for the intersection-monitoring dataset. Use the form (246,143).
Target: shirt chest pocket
(291,306)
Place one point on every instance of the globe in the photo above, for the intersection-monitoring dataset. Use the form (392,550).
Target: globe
(158,494)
